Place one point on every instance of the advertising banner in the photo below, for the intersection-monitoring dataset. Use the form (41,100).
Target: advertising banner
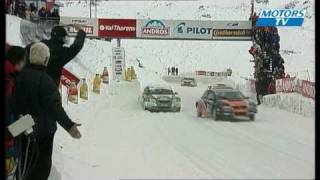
(288,84)
(211,73)
(231,25)
(190,29)
(279,86)
(308,89)
(67,77)
(118,62)
(232,30)
(200,73)
(90,26)
(49,4)
(117,28)
(231,34)
(152,28)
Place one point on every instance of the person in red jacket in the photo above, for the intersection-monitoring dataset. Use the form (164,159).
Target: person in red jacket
(15,60)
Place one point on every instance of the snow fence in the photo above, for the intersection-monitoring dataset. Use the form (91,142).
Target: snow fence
(292,102)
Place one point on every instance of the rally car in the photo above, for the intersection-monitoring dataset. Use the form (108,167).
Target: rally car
(188,82)
(160,98)
(225,104)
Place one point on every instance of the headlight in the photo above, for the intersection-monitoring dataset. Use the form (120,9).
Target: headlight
(152,100)
(176,99)
(226,107)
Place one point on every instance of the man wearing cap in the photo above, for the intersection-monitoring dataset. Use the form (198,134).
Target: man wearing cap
(36,94)
(61,55)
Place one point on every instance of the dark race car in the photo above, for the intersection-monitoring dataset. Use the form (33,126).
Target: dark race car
(225,104)
(188,82)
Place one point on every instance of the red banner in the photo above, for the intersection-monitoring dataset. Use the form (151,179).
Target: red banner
(285,85)
(279,85)
(200,73)
(67,77)
(49,4)
(308,89)
(117,28)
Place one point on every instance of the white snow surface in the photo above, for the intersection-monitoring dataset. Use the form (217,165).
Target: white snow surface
(120,140)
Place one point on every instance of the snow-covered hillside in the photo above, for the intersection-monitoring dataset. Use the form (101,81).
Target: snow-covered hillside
(296,44)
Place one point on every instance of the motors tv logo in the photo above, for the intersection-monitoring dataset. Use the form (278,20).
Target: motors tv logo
(281,17)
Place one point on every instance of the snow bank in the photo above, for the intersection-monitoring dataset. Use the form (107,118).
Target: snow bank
(291,102)
(13,30)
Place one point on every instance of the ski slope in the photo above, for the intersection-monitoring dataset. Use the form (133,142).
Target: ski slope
(120,140)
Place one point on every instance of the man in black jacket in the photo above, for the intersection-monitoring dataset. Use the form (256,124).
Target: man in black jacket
(36,94)
(60,55)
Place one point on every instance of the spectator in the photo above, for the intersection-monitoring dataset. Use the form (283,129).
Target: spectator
(54,16)
(37,95)
(33,16)
(61,55)
(15,60)
(42,13)
(28,14)
(173,70)
(168,70)
(33,7)
(176,71)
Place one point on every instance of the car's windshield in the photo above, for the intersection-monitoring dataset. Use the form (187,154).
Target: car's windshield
(161,91)
(229,95)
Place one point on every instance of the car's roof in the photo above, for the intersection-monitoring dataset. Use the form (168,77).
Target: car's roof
(159,86)
(219,86)
(225,90)
(188,78)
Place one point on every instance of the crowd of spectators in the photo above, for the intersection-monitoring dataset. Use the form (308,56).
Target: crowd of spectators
(31,12)
(268,61)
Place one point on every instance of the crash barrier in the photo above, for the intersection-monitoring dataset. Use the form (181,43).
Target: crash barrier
(291,102)
(291,85)
(76,89)
(211,73)
(303,87)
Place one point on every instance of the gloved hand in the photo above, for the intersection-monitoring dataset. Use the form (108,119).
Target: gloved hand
(74,132)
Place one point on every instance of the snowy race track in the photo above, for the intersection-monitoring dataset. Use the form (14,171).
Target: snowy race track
(120,141)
